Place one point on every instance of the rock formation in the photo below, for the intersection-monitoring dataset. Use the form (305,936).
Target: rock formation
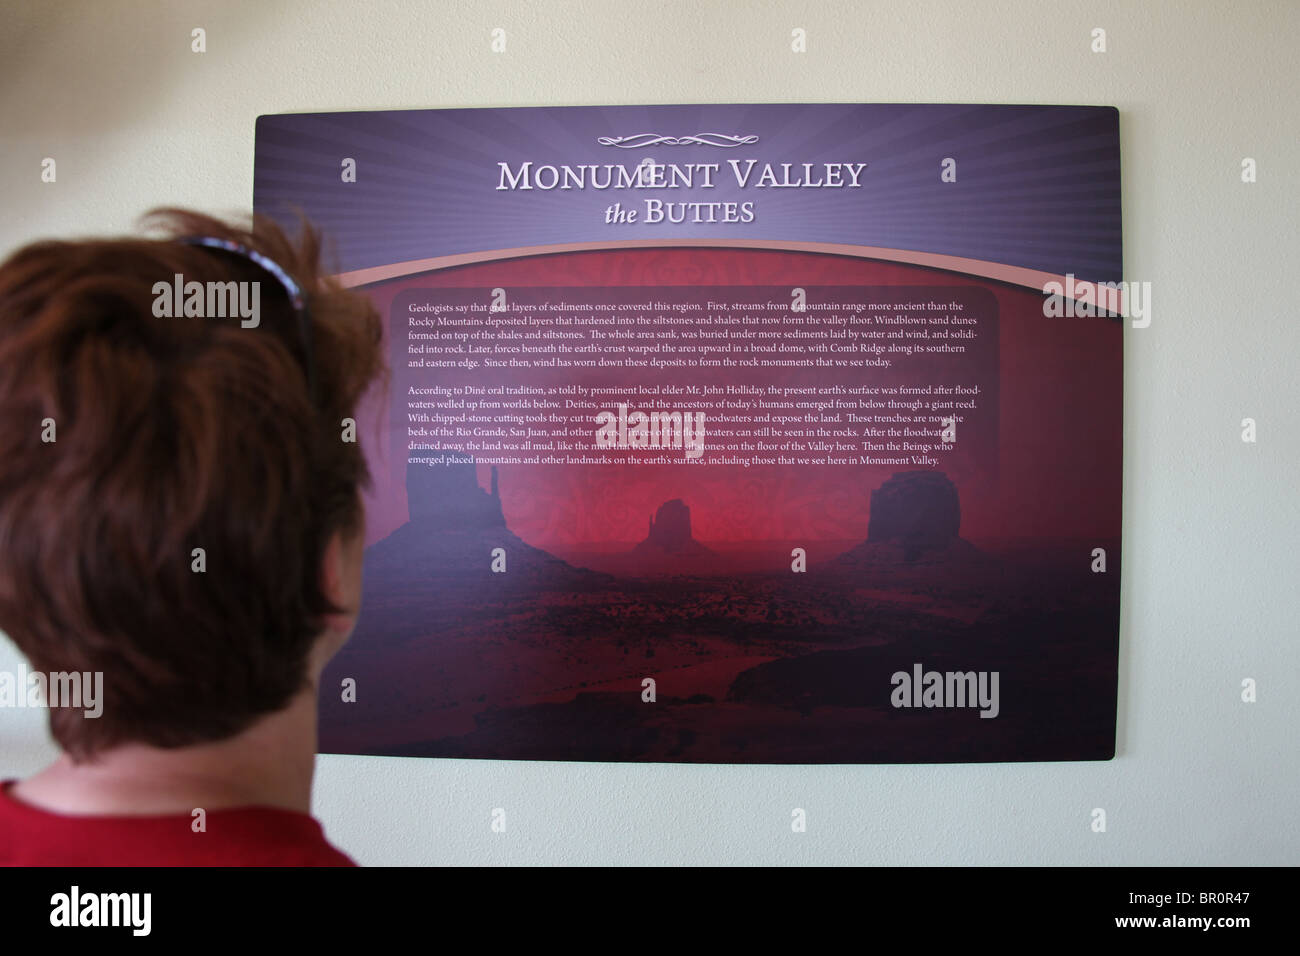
(915,519)
(916,509)
(446,549)
(448,498)
(670,532)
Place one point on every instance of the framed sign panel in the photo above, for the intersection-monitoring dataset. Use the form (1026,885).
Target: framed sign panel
(730,433)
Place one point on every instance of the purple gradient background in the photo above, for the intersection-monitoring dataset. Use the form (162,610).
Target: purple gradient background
(1037,186)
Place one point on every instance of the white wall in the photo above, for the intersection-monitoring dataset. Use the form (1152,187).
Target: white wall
(111,90)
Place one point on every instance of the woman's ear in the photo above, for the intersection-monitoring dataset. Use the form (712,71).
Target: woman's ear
(341,581)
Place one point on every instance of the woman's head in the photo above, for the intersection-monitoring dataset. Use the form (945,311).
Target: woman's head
(178,510)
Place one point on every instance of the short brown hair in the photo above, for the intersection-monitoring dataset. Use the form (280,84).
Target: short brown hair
(173,434)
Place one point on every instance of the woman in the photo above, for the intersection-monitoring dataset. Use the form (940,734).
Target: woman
(180,519)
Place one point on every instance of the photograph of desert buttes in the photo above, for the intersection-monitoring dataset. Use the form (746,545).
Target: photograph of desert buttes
(751,660)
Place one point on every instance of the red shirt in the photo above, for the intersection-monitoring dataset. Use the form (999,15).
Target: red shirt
(243,836)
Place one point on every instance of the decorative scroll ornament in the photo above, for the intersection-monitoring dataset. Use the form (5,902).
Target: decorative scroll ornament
(640,140)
